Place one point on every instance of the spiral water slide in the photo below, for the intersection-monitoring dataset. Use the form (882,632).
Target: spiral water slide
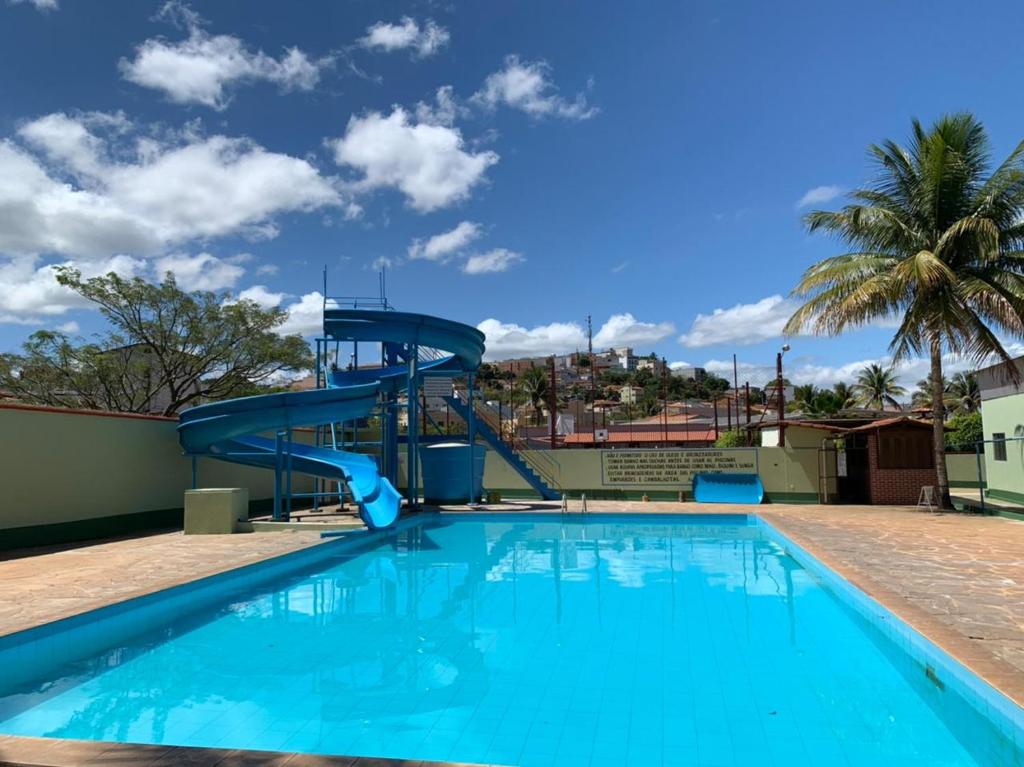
(231,430)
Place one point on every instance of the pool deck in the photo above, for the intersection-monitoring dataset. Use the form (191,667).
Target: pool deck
(958,579)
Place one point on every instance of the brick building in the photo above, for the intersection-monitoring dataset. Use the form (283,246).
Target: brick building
(900,458)
(863,460)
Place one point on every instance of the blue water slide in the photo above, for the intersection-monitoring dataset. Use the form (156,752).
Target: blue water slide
(230,430)
(728,488)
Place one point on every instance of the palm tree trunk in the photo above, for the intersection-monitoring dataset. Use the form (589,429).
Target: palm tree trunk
(939,426)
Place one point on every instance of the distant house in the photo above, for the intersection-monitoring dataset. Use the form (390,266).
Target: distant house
(630,395)
(652,363)
(864,458)
(1002,416)
(687,372)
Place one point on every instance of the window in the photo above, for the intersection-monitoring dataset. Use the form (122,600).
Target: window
(905,449)
(999,446)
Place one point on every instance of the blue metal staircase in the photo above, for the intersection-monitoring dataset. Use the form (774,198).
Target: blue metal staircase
(540,480)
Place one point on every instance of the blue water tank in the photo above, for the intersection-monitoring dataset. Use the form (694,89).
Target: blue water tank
(445,470)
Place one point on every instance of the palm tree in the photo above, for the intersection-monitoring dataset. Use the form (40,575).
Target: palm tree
(963,395)
(922,396)
(937,242)
(844,393)
(803,397)
(876,387)
(535,385)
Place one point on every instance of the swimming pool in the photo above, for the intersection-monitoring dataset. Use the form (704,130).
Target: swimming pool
(519,639)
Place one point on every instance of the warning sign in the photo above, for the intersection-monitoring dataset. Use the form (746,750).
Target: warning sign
(672,467)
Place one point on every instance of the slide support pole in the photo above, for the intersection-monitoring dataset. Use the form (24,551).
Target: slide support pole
(471,429)
(412,458)
(288,479)
(195,472)
(277,476)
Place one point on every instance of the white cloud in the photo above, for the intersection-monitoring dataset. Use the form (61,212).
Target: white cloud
(39,213)
(381,262)
(818,196)
(200,272)
(70,141)
(305,316)
(427,163)
(741,324)
(70,327)
(29,290)
(267,269)
(407,34)
(40,5)
(496,260)
(136,194)
(443,111)
(505,340)
(619,267)
(526,85)
(441,246)
(262,296)
(627,330)
(203,67)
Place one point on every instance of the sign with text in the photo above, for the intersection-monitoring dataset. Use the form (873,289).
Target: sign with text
(672,467)
(437,386)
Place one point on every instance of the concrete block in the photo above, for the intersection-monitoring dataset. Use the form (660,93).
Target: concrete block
(216,510)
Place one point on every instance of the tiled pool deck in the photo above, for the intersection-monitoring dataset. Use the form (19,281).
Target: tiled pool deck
(957,579)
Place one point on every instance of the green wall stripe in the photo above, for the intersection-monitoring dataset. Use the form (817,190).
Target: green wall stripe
(1005,495)
(86,529)
(114,526)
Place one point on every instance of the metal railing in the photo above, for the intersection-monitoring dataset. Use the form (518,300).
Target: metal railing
(544,465)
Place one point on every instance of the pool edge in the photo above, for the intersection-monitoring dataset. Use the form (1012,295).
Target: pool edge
(990,685)
(60,752)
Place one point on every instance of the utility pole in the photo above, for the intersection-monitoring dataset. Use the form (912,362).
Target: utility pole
(736,390)
(512,423)
(664,399)
(593,382)
(780,398)
(553,402)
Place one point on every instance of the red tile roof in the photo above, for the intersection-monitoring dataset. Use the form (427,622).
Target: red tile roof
(900,419)
(805,424)
(673,435)
(676,418)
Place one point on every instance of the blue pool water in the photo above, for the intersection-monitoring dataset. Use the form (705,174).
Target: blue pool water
(521,640)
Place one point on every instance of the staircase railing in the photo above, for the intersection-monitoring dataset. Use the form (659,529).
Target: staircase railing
(544,465)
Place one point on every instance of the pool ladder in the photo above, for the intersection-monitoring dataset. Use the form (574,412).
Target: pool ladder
(583,503)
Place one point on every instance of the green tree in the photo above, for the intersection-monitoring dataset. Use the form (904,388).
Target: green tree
(535,384)
(732,438)
(922,396)
(936,243)
(844,393)
(963,395)
(812,401)
(165,349)
(964,430)
(876,387)
(803,396)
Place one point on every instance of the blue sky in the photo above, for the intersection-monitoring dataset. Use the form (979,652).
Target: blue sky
(518,165)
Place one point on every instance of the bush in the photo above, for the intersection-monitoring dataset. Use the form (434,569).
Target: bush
(731,439)
(964,430)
